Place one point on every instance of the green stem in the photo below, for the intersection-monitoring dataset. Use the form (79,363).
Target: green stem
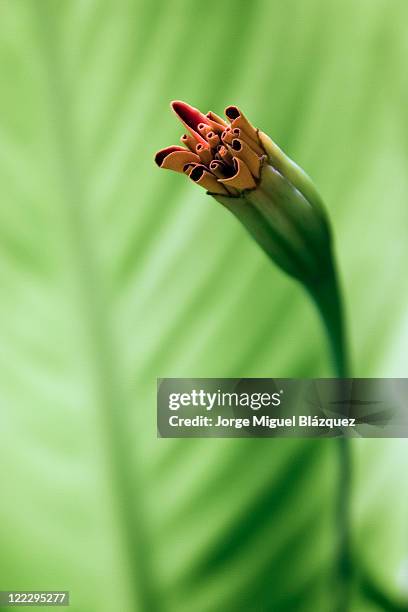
(327,297)
(345,562)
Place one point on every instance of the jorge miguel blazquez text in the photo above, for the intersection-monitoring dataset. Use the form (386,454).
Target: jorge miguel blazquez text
(211,401)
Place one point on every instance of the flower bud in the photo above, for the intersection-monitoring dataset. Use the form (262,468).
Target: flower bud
(275,200)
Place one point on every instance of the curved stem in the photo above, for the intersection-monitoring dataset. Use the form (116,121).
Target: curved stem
(327,297)
(345,563)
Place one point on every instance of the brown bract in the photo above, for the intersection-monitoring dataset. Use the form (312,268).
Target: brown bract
(224,157)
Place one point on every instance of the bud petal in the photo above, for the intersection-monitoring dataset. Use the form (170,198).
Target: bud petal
(240,149)
(238,120)
(213,139)
(190,117)
(242,179)
(217,123)
(255,146)
(189,141)
(200,175)
(227,136)
(204,153)
(175,158)
(225,155)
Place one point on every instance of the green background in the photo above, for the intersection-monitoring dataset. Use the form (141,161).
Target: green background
(113,273)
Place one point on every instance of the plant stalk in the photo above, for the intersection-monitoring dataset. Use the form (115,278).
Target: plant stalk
(327,296)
